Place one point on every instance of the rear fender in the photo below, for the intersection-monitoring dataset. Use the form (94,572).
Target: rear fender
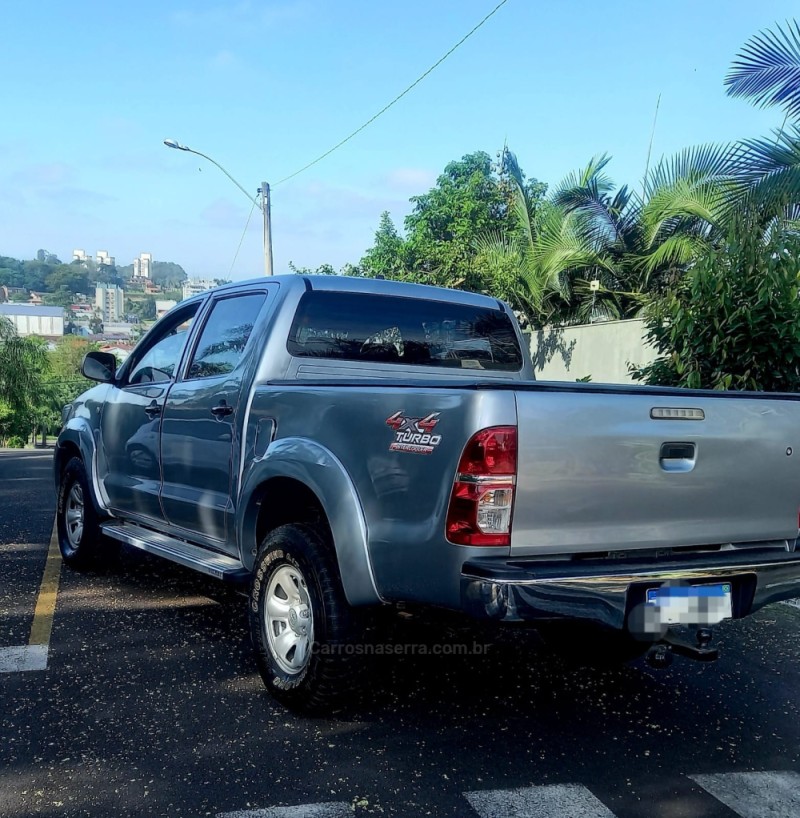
(320,471)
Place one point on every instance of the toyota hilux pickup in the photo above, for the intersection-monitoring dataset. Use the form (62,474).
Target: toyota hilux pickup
(340,444)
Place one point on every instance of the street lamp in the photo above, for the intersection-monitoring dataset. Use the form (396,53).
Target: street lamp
(265,203)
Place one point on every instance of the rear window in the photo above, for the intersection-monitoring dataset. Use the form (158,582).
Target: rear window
(409,331)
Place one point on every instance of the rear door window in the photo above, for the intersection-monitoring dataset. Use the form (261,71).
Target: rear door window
(408,331)
(225,335)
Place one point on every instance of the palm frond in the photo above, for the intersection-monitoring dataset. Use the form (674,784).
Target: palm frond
(767,70)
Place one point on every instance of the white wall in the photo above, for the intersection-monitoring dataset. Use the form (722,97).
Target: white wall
(37,324)
(601,350)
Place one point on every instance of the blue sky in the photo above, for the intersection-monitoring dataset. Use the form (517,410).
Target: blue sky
(90,89)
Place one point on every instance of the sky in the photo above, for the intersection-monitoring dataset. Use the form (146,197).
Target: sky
(89,91)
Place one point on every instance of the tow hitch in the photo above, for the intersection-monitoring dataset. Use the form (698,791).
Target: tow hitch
(662,653)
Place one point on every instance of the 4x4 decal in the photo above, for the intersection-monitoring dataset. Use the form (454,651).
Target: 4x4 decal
(414,434)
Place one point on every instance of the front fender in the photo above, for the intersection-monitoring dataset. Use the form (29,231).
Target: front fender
(320,471)
(77,433)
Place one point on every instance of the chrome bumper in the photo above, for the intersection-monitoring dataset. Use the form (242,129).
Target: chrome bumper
(606,592)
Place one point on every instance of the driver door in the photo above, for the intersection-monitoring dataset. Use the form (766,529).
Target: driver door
(130,462)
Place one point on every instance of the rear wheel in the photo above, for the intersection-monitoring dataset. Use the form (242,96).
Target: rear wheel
(303,629)
(78,525)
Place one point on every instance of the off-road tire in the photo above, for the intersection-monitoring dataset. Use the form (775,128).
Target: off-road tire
(331,672)
(83,551)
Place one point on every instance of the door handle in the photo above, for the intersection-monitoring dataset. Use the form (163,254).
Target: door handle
(221,410)
(677,456)
(152,410)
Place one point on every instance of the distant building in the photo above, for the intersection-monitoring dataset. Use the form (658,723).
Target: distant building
(104,259)
(164,306)
(194,286)
(80,255)
(35,320)
(6,293)
(109,299)
(143,266)
(121,350)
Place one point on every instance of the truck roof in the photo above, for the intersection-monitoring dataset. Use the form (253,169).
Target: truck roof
(374,286)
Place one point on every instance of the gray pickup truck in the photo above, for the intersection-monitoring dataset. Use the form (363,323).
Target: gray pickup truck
(341,444)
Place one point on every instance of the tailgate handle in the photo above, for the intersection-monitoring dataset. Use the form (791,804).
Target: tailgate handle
(677,456)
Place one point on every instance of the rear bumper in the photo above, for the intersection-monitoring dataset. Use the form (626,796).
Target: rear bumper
(607,592)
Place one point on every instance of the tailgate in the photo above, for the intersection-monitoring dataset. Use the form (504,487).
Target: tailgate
(597,472)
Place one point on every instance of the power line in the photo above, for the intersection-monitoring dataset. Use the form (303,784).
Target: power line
(244,233)
(396,99)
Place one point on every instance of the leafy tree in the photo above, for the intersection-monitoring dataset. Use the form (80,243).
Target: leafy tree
(733,321)
(23,368)
(72,278)
(143,308)
(322,270)
(388,256)
(466,202)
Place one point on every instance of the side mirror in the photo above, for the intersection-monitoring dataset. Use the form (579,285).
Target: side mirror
(99,366)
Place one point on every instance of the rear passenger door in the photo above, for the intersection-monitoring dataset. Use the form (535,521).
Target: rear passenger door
(201,424)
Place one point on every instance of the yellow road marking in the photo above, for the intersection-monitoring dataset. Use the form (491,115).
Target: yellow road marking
(48,591)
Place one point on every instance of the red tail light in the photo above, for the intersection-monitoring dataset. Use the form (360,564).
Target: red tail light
(482,501)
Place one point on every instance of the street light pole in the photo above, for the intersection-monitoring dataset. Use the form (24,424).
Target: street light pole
(265,201)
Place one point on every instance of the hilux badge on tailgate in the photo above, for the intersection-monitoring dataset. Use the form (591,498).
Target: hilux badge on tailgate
(414,434)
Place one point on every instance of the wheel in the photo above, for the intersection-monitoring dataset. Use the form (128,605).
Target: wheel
(79,535)
(586,645)
(302,627)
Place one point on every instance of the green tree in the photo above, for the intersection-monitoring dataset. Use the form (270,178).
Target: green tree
(23,370)
(733,321)
(72,278)
(466,202)
(388,256)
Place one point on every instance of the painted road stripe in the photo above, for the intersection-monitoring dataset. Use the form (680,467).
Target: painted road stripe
(330,809)
(755,795)
(19,659)
(34,655)
(48,592)
(549,801)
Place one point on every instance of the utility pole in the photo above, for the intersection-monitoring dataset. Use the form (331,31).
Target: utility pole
(267,210)
(265,204)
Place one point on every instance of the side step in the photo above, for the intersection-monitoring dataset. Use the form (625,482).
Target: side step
(200,559)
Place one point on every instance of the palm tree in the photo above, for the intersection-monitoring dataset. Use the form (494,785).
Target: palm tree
(767,70)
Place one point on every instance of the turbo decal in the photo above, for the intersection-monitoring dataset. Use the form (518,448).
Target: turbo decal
(414,434)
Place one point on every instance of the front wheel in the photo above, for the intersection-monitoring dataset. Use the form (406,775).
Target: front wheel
(301,625)
(78,526)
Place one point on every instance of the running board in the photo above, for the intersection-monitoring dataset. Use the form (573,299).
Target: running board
(208,562)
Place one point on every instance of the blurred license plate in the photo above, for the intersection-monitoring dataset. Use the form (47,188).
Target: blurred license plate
(692,604)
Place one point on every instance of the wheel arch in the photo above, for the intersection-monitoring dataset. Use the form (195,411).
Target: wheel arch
(300,481)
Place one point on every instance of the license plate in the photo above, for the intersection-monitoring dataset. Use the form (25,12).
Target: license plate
(692,604)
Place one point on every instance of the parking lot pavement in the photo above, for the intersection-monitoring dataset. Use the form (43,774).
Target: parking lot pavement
(150,705)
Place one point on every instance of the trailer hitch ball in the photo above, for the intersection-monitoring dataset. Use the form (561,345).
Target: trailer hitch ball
(660,656)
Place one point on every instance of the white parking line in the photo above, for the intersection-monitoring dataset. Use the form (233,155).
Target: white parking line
(25,657)
(755,795)
(330,809)
(547,801)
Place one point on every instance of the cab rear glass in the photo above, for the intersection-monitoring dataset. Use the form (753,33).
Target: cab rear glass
(407,331)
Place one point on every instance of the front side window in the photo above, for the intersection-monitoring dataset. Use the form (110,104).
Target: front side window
(158,361)
(225,335)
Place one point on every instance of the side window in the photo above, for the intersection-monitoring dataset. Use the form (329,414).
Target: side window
(157,362)
(225,335)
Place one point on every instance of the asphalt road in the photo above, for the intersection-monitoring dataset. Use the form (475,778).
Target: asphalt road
(151,705)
